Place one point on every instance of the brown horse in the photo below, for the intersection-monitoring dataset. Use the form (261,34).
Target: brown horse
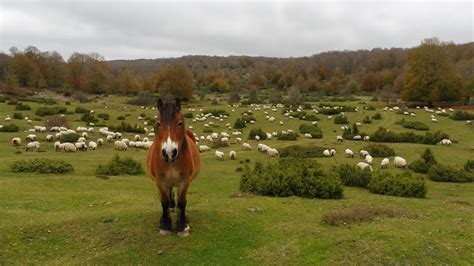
(173,161)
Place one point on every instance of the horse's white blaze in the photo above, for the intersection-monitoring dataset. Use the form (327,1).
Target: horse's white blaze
(168,146)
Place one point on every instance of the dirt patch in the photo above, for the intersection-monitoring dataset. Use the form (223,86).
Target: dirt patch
(358,215)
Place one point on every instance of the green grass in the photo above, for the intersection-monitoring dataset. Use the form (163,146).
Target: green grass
(79,218)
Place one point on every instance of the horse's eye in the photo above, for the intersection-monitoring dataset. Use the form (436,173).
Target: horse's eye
(158,124)
(180,123)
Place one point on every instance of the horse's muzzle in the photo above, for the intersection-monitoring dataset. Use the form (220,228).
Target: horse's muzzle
(170,155)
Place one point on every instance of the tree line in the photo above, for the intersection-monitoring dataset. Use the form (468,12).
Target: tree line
(431,72)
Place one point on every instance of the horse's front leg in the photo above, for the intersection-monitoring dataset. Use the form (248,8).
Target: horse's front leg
(165,220)
(182,220)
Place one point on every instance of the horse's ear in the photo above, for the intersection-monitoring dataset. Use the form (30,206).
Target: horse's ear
(177,103)
(159,104)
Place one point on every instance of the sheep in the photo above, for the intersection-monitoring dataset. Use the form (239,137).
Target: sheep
(399,162)
(326,153)
(246,147)
(57,146)
(31,137)
(92,145)
(272,152)
(126,141)
(68,147)
(363,166)
(110,138)
(100,142)
(434,120)
(219,155)
(363,153)
(332,152)
(137,138)
(308,136)
(257,137)
(16,141)
(49,138)
(81,139)
(32,145)
(366,138)
(224,140)
(262,147)
(385,162)
(446,142)
(357,137)
(120,145)
(232,155)
(203,148)
(349,153)
(81,146)
(238,140)
(339,138)
(369,159)
(145,139)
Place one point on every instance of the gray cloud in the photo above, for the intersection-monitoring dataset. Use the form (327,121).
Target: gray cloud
(149,29)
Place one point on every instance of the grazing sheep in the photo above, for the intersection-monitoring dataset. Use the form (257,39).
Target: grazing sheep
(366,138)
(32,146)
(126,141)
(100,141)
(399,162)
(308,136)
(31,137)
(434,120)
(224,140)
(340,138)
(238,140)
(262,147)
(327,153)
(349,153)
(84,135)
(81,139)
(385,162)
(363,165)
(137,138)
(232,155)
(272,152)
(145,139)
(81,146)
(219,155)
(120,145)
(369,159)
(203,148)
(446,142)
(332,152)
(49,138)
(92,145)
(363,153)
(357,137)
(246,147)
(57,146)
(110,138)
(16,141)
(468,122)
(257,137)
(68,147)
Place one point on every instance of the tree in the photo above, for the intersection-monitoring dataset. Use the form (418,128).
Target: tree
(126,82)
(429,76)
(253,96)
(176,80)
(275,96)
(234,96)
(294,96)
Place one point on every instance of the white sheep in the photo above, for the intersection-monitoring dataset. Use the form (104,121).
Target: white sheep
(57,146)
(339,138)
(357,137)
(369,159)
(326,153)
(363,166)
(349,153)
(385,162)
(246,147)
(203,148)
(81,146)
(34,145)
(257,137)
(81,139)
(49,138)
(16,141)
(332,152)
(219,155)
(137,138)
(366,138)
(363,153)
(308,136)
(110,138)
(100,142)
(68,147)
(238,140)
(446,142)
(399,162)
(84,135)
(262,147)
(92,145)
(31,137)
(120,145)
(272,152)
(232,155)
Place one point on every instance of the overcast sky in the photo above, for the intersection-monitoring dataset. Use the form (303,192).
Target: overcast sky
(145,29)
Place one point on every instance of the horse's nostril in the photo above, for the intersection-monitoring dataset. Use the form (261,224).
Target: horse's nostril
(165,155)
(175,153)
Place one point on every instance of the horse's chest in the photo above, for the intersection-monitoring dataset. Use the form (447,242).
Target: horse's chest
(172,177)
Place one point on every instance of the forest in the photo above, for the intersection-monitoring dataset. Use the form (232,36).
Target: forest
(434,71)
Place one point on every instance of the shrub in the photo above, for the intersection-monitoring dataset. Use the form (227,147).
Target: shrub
(239,123)
(314,130)
(290,177)
(401,185)
(462,115)
(302,151)
(125,127)
(144,98)
(416,125)
(216,112)
(377,116)
(71,137)
(120,117)
(56,121)
(380,150)
(42,166)
(469,166)
(369,107)
(104,116)
(351,132)
(257,132)
(385,135)
(249,118)
(341,119)
(89,118)
(366,120)
(330,111)
(444,173)
(188,115)
(287,136)
(357,215)
(81,110)
(353,176)
(120,166)
(45,110)
(22,107)
(17,116)
(9,128)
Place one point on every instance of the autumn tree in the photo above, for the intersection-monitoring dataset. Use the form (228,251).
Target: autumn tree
(294,96)
(275,96)
(126,83)
(429,76)
(176,80)
(88,73)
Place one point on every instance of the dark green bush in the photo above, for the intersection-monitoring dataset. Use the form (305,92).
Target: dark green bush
(377,116)
(22,107)
(248,118)
(341,119)
(188,115)
(257,131)
(239,123)
(302,151)
(120,117)
(366,120)
(385,135)
(351,132)
(41,165)
(401,185)
(120,166)
(71,137)
(9,128)
(462,115)
(287,136)
(380,150)
(17,116)
(353,176)
(314,130)
(330,111)
(290,177)
(89,118)
(125,127)
(445,173)
(416,125)
(369,107)
(45,110)
(104,116)
(469,166)
(81,110)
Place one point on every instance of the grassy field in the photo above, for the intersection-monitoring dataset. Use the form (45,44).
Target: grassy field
(78,218)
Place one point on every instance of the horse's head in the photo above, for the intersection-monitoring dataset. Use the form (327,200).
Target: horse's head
(170,129)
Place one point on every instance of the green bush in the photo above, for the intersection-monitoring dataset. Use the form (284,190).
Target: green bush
(377,116)
(401,185)
(367,120)
(287,136)
(330,111)
(120,166)
(380,150)
(469,166)
(104,116)
(17,116)
(341,119)
(81,110)
(89,118)
(369,107)
(353,176)
(416,125)
(45,110)
(248,118)
(462,115)
(207,130)
(9,128)
(385,135)
(290,177)
(125,127)
(22,107)
(42,166)
(257,132)
(239,123)
(120,117)
(444,173)
(71,137)
(216,112)
(188,115)
(302,151)
(314,130)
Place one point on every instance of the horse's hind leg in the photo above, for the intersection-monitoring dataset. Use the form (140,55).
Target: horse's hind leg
(182,221)
(165,220)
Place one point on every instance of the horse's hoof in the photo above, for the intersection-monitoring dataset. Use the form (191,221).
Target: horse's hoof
(165,232)
(185,232)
